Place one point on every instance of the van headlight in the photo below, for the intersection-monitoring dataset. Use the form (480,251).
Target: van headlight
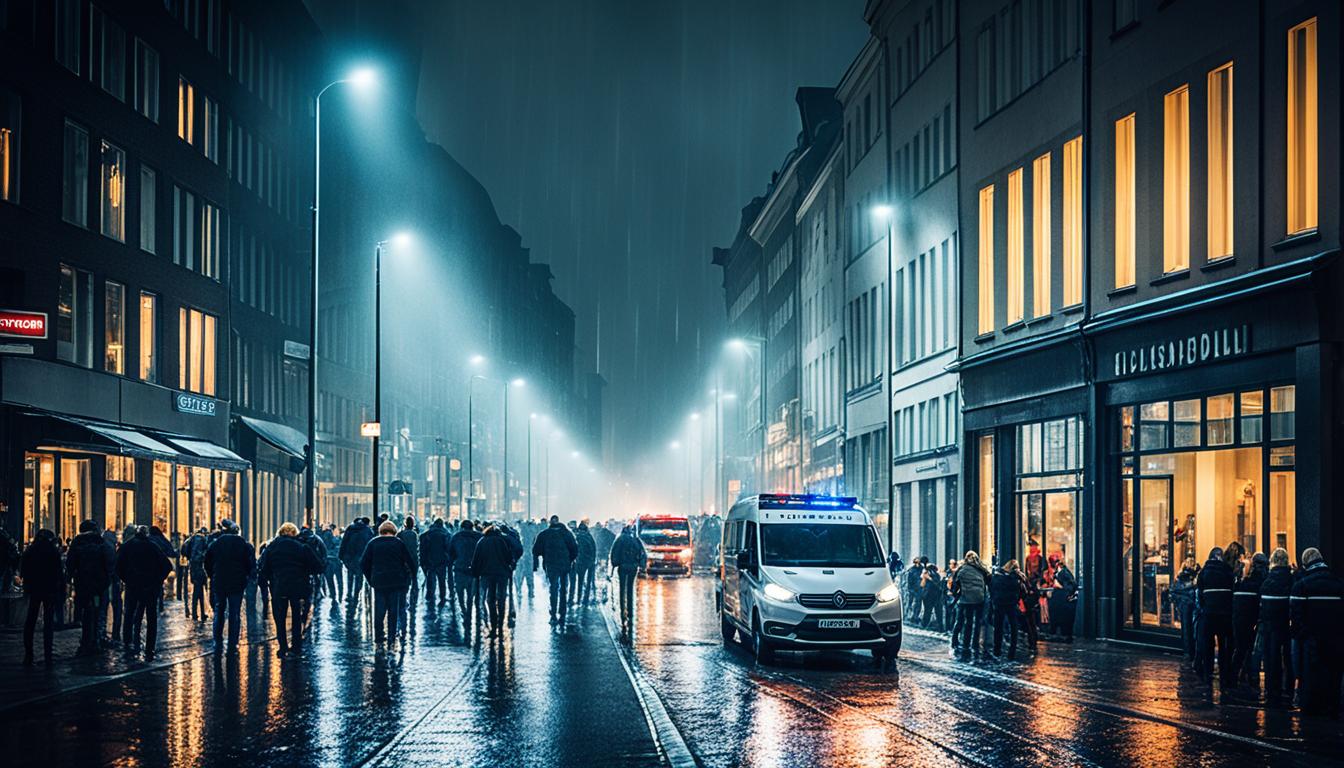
(776,592)
(888,593)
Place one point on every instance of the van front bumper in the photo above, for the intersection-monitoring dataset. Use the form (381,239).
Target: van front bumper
(800,629)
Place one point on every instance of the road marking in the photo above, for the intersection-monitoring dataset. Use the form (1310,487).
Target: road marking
(395,741)
(665,735)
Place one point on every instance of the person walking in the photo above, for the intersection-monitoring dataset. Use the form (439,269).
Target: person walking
(229,561)
(971,587)
(1063,602)
(1005,592)
(434,562)
(331,575)
(627,557)
(1213,589)
(461,548)
(1275,593)
(193,551)
(113,588)
(410,536)
(1317,616)
(557,550)
(387,565)
(89,562)
(1183,601)
(288,565)
(312,541)
(584,566)
(1245,620)
(931,594)
(173,554)
(142,567)
(492,564)
(44,585)
(353,543)
(914,575)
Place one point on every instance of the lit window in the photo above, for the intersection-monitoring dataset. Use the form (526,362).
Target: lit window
(1040,235)
(1124,201)
(149,337)
(1016,260)
(8,157)
(114,328)
(112,192)
(1282,413)
(209,245)
(986,277)
(149,201)
(1220,162)
(1302,138)
(186,111)
(196,351)
(1176,181)
(75,176)
(1073,221)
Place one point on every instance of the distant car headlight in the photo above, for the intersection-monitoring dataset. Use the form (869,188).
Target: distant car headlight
(888,593)
(776,592)
(686,554)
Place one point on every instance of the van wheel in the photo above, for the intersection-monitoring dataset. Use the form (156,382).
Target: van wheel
(760,647)
(727,627)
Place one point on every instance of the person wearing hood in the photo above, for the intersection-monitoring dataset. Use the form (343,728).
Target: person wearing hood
(90,562)
(556,548)
(169,551)
(461,548)
(331,574)
(627,557)
(410,536)
(1005,592)
(1063,601)
(229,560)
(434,562)
(40,568)
(387,566)
(492,563)
(515,540)
(1213,589)
(1317,616)
(142,567)
(585,581)
(288,565)
(353,543)
(113,587)
(1245,617)
(1182,593)
(193,551)
(312,541)
(1275,593)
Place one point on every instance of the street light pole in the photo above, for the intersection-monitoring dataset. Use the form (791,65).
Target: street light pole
(507,506)
(377,367)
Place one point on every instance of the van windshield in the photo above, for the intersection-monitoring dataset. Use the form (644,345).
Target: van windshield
(665,533)
(819,545)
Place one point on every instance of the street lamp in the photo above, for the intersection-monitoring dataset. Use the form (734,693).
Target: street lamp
(360,78)
(887,214)
(399,239)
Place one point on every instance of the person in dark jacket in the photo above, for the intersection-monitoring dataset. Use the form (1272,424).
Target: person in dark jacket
(1317,617)
(288,566)
(912,578)
(353,543)
(311,540)
(1275,592)
(387,566)
(1063,602)
(434,562)
(584,581)
(40,568)
(229,561)
(1005,592)
(1245,618)
(461,548)
(90,562)
(331,575)
(410,536)
(1182,593)
(931,593)
(1213,589)
(171,552)
(970,586)
(556,548)
(193,551)
(113,586)
(492,563)
(516,551)
(627,557)
(142,567)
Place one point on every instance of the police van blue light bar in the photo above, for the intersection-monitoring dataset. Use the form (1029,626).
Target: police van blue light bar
(805,501)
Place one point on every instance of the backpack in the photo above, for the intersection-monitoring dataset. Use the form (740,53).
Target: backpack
(197,559)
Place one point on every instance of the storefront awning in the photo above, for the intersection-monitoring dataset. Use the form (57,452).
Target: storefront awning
(281,437)
(65,433)
(204,453)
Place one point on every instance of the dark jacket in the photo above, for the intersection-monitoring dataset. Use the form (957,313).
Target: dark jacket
(461,548)
(387,564)
(434,546)
(142,564)
(411,539)
(628,552)
(587,548)
(556,547)
(1275,591)
(971,584)
(1317,607)
(229,561)
(493,555)
(933,587)
(41,568)
(90,561)
(1062,597)
(165,546)
(1214,587)
(314,542)
(357,537)
(1246,599)
(1005,589)
(193,550)
(604,539)
(330,544)
(288,566)
(515,540)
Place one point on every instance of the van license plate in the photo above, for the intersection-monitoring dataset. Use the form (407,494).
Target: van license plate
(837,623)
(670,556)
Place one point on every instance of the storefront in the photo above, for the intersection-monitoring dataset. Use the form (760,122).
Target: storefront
(274,486)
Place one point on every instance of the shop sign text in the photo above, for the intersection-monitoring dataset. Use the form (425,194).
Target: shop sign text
(28,325)
(185,402)
(1194,349)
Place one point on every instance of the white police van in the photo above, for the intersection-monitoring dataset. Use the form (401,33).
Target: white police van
(805,572)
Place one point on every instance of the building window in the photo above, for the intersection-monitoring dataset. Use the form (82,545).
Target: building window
(112,192)
(1176,181)
(146,80)
(1073,221)
(210,137)
(149,204)
(1124,201)
(68,29)
(986,277)
(11,112)
(108,53)
(114,328)
(1048,488)
(1016,257)
(184,228)
(1040,235)
(149,337)
(210,241)
(1220,162)
(1302,126)
(985,502)
(74,317)
(75,176)
(186,111)
(196,351)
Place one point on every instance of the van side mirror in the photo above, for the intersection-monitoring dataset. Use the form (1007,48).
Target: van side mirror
(744,562)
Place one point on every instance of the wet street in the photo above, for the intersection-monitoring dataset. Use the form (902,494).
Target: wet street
(675,696)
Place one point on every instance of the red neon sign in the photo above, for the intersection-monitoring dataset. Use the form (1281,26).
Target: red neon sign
(28,325)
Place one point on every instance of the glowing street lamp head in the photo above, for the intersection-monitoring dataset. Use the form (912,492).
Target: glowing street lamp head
(363,77)
(883,212)
(674,445)
(737,344)
(401,239)
(477,360)
(695,415)
(519,382)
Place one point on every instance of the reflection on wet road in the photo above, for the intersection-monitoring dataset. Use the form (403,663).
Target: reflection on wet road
(676,696)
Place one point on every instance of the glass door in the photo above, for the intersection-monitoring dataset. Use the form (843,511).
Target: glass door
(75,496)
(1155,552)
(39,494)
